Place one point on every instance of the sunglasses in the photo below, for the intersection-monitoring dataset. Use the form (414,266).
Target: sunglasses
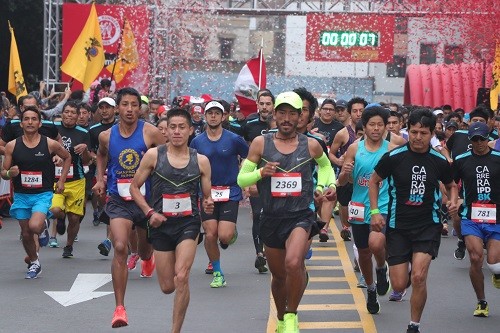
(478,138)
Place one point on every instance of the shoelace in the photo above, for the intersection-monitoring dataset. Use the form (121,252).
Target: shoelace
(33,268)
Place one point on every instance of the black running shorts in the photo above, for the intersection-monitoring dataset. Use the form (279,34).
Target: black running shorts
(344,194)
(223,211)
(116,207)
(167,236)
(274,231)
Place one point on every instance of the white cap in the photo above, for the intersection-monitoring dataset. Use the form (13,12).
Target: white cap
(437,112)
(108,100)
(214,104)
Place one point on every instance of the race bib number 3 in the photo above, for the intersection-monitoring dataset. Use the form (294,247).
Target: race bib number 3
(286,184)
(356,211)
(177,205)
(483,213)
(123,186)
(59,171)
(31,179)
(220,193)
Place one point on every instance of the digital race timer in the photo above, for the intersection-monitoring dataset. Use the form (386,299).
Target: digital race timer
(349,38)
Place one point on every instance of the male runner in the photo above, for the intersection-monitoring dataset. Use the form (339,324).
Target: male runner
(359,161)
(121,149)
(224,150)
(172,211)
(285,185)
(478,169)
(414,229)
(27,158)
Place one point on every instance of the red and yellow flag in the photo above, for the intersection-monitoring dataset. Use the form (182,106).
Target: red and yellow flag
(16,86)
(128,57)
(495,86)
(86,58)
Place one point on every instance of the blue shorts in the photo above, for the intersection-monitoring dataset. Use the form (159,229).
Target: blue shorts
(485,231)
(25,205)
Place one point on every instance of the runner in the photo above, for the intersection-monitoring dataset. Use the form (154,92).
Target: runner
(414,232)
(121,148)
(224,150)
(26,159)
(359,161)
(287,219)
(478,169)
(72,200)
(176,172)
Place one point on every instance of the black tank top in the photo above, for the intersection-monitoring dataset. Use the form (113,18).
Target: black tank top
(36,169)
(284,202)
(172,187)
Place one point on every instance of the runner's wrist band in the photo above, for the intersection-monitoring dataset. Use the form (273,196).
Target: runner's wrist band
(8,174)
(150,213)
(375,211)
(332,185)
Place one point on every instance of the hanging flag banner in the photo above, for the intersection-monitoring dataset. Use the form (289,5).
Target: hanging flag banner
(252,77)
(111,21)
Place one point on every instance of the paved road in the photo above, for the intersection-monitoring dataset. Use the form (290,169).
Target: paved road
(332,303)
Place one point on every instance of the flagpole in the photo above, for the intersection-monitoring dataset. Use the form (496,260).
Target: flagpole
(118,50)
(261,56)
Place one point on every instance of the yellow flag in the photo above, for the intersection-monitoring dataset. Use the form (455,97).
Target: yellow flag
(128,57)
(17,86)
(495,87)
(86,58)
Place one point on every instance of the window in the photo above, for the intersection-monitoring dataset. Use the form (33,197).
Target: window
(198,47)
(453,54)
(428,54)
(397,68)
(226,48)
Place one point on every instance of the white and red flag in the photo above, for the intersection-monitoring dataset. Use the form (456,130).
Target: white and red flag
(252,77)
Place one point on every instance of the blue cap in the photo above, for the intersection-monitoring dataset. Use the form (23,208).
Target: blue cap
(479,129)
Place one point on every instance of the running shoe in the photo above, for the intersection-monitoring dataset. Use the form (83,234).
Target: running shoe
(323,235)
(104,247)
(336,209)
(67,251)
(372,304)
(482,309)
(397,296)
(53,242)
(356,266)
(291,323)
(209,269)
(96,221)
(148,267)
(33,271)
(345,234)
(459,253)
(280,326)
(43,238)
(132,261)
(495,279)
(218,281)
(413,329)
(362,282)
(260,263)
(61,226)
(119,317)
(309,253)
(383,284)
(76,238)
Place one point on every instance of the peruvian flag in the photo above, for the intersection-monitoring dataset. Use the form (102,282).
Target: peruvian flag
(252,77)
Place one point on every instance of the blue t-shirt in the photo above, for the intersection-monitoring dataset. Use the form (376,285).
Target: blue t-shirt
(223,155)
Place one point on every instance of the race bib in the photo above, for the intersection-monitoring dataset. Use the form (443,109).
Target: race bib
(220,193)
(177,204)
(123,186)
(31,179)
(59,171)
(484,213)
(286,184)
(356,211)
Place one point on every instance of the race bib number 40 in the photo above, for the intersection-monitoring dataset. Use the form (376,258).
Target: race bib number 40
(123,186)
(356,211)
(177,204)
(31,179)
(286,184)
(220,193)
(483,213)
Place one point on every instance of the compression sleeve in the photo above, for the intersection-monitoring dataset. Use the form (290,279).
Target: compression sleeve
(249,174)
(324,170)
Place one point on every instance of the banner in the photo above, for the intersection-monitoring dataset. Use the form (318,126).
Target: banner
(128,57)
(16,86)
(111,19)
(252,77)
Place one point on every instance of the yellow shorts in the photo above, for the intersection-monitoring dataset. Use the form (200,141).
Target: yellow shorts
(72,200)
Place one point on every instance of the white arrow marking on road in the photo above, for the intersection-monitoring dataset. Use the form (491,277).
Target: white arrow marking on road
(82,289)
